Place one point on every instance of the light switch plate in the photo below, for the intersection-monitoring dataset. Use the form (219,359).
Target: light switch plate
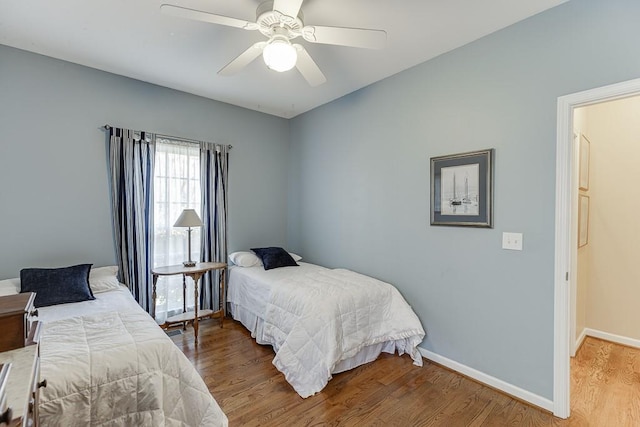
(512,241)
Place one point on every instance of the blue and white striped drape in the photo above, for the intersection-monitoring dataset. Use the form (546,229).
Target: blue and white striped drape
(214,161)
(131,158)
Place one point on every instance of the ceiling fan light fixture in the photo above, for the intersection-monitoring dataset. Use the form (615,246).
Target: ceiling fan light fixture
(280,55)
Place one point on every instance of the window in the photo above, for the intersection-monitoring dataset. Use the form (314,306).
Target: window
(176,187)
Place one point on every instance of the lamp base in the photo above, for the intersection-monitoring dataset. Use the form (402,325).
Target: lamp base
(189,263)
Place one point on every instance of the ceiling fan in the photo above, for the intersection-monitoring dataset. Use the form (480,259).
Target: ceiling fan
(282,21)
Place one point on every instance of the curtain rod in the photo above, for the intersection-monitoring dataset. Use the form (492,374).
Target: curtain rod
(194,141)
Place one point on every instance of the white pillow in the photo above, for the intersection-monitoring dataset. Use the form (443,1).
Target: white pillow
(295,257)
(249,259)
(10,286)
(244,259)
(104,279)
(111,270)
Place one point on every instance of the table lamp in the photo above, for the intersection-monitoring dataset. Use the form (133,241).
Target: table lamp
(188,218)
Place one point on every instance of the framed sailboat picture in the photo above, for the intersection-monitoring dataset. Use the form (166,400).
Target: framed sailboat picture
(462,189)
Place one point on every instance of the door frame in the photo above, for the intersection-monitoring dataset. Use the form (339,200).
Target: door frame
(566,220)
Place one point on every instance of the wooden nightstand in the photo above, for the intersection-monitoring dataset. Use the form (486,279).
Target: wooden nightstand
(16,321)
(195,273)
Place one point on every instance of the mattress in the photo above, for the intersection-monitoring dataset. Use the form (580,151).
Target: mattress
(250,287)
(107,362)
(116,300)
(322,321)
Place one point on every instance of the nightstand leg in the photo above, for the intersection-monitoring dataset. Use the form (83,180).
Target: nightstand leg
(223,299)
(196,280)
(184,299)
(153,297)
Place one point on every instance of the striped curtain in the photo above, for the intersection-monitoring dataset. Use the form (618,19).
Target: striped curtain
(131,159)
(214,161)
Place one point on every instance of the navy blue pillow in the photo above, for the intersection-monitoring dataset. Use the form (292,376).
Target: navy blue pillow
(274,257)
(57,285)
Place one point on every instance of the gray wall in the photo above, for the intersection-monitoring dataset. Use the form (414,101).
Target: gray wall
(360,185)
(358,173)
(54,194)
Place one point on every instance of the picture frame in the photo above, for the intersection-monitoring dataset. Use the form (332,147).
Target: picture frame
(585,152)
(583,220)
(462,189)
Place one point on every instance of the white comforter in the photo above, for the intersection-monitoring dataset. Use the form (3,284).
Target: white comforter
(327,316)
(119,369)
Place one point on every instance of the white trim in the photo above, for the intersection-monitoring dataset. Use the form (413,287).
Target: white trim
(579,342)
(573,278)
(618,339)
(563,241)
(561,380)
(494,382)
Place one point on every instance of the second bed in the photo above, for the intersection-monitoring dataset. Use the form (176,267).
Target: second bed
(322,321)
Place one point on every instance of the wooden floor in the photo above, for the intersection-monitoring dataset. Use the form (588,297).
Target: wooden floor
(393,392)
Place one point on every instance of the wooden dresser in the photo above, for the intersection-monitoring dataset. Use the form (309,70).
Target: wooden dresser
(19,347)
(22,389)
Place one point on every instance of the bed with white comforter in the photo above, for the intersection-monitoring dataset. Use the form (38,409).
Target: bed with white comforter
(322,321)
(107,362)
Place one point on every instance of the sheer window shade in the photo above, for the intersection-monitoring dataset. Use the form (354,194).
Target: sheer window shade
(176,187)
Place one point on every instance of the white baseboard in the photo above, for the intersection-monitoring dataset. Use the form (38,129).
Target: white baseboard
(618,339)
(579,342)
(496,383)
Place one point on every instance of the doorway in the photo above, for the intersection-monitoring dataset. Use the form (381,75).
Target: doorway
(566,231)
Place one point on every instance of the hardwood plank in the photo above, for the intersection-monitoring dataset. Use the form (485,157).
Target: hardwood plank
(605,381)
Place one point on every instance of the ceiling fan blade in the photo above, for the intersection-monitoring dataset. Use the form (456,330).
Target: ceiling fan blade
(288,7)
(354,37)
(198,15)
(308,68)
(244,59)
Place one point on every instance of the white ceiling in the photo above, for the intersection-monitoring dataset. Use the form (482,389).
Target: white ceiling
(132,38)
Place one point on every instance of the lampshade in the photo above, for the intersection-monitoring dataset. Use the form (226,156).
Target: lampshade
(188,218)
(279,54)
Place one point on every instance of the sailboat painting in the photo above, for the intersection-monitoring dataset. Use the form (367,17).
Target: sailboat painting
(460,190)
